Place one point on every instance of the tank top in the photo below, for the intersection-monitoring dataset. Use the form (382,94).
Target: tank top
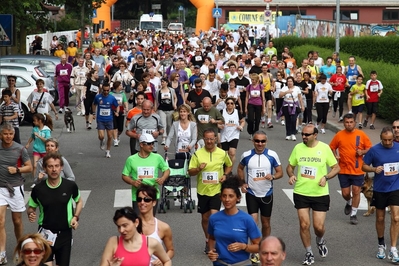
(137,258)
(156,236)
(350,72)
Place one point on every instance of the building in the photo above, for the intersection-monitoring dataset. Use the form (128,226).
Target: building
(361,12)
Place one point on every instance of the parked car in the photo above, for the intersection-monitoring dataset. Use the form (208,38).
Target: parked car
(175,28)
(37,73)
(25,83)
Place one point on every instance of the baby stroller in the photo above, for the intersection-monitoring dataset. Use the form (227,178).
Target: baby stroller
(177,186)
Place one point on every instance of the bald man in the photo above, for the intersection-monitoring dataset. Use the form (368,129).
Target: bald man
(271,251)
(207,117)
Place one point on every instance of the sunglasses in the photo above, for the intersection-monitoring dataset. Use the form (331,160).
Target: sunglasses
(198,86)
(36,251)
(148,143)
(260,140)
(395,127)
(140,199)
(230,103)
(307,134)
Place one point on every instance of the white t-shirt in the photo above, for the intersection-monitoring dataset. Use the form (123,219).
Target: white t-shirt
(322,91)
(291,97)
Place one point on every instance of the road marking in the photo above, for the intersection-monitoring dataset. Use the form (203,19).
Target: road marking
(84,194)
(290,194)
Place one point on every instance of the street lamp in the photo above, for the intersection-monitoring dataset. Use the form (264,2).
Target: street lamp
(337,17)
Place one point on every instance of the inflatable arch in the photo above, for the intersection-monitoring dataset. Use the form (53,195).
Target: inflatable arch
(104,13)
(204,14)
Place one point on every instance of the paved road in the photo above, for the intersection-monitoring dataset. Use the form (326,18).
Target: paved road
(103,191)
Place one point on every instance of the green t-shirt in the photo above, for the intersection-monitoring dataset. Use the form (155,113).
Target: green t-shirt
(208,179)
(312,166)
(145,169)
(203,119)
(358,98)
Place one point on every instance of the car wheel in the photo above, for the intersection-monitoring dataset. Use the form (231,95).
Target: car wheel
(24,116)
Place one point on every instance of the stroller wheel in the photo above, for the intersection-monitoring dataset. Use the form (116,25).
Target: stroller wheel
(161,208)
(185,208)
(193,204)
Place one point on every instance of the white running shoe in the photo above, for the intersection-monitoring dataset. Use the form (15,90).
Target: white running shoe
(323,131)
(116,142)
(107,154)
(283,122)
(288,138)
(293,137)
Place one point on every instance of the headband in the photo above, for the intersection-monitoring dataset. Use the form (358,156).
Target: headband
(26,241)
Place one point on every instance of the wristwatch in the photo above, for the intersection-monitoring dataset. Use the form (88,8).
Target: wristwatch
(326,178)
(273,177)
(18,171)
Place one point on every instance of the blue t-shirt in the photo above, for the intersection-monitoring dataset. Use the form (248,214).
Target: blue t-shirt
(227,229)
(378,155)
(104,107)
(328,69)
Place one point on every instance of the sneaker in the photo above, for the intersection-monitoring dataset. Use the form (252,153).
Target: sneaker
(283,122)
(372,127)
(116,143)
(350,112)
(381,252)
(360,126)
(288,138)
(89,126)
(348,209)
(293,137)
(250,136)
(365,123)
(163,142)
(68,130)
(102,144)
(263,124)
(341,119)
(3,259)
(270,125)
(334,114)
(353,219)
(255,258)
(61,110)
(323,131)
(79,113)
(206,249)
(393,255)
(299,129)
(107,154)
(323,250)
(309,259)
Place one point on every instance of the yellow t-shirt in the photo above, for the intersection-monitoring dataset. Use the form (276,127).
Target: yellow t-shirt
(59,53)
(358,98)
(72,51)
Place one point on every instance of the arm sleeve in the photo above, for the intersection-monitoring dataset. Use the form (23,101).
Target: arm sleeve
(68,173)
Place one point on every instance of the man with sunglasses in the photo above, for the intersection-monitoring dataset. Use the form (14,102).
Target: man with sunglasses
(143,167)
(311,187)
(258,180)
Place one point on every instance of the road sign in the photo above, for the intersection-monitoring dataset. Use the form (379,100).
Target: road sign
(156,6)
(181,8)
(216,12)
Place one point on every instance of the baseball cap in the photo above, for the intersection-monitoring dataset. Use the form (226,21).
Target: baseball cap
(197,66)
(146,138)
(225,66)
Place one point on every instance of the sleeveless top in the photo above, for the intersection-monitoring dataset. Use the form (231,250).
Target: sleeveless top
(350,72)
(137,258)
(155,236)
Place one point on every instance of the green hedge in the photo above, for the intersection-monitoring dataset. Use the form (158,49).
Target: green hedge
(387,74)
(373,48)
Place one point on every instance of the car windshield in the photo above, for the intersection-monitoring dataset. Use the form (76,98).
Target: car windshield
(150,25)
(175,27)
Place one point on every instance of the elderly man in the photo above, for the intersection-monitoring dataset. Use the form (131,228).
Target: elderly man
(62,77)
(272,251)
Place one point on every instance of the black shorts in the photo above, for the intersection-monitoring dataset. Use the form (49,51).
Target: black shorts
(62,248)
(268,95)
(231,144)
(254,204)
(357,109)
(350,180)
(372,108)
(320,204)
(207,203)
(381,200)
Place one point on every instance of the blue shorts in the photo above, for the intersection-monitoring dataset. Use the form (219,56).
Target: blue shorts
(357,109)
(106,125)
(350,180)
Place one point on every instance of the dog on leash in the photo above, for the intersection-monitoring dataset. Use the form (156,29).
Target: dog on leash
(68,119)
(367,190)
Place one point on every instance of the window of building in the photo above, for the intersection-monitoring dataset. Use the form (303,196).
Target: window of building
(347,15)
(293,12)
(391,14)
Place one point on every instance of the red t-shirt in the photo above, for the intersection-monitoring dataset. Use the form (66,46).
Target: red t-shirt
(373,87)
(340,79)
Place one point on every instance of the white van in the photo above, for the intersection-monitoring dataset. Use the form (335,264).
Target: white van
(175,28)
(151,22)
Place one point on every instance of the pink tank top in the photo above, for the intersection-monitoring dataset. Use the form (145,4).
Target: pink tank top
(137,258)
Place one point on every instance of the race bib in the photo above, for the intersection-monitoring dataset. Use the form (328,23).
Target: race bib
(165,96)
(259,174)
(210,178)
(359,96)
(231,123)
(118,98)
(81,74)
(145,172)
(148,90)
(147,131)
(63,72)
(182,146)
(94,88)
(391,168)
(203,118)
(351,78)
(198,58)
(308,172)
(98,65)
(374,88)
(255,93)
(105,112)
(240,88)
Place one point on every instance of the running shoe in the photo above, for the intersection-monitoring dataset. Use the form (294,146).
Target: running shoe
(341,119)
(163,141)
(102,144)
(283,122)
(263,124)
(353,219)
(348,209)
(250,136)
(334,114)
(293,137)
(393,255)
(107,154)
(89,126)
(323,131)
(270,125)
(309,259)
(79,113)
(60,111)
(3,259)
(360,126)
(323,250)
(372,127)
(288,138)
(116,142)
(299,129)
(365,123)
(381,252)
(255,258)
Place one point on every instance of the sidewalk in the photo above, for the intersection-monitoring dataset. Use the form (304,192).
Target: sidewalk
(335,126)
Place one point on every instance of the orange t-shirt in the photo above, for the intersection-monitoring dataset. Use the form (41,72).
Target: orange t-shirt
(132,112)
(345,143)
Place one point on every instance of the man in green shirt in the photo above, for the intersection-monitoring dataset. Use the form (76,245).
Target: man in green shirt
(311,187)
